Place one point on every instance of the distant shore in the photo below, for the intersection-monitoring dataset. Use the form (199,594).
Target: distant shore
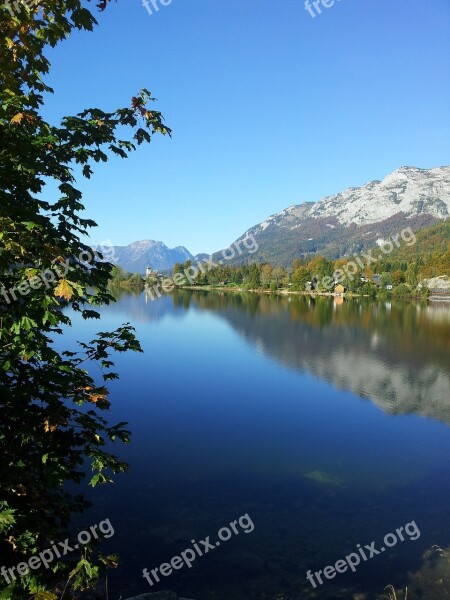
(286,292)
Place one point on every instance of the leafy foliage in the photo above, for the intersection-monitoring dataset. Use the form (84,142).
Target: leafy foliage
(51,423)
(122,279)
(428,257)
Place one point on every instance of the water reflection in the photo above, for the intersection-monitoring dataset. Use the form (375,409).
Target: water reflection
(396,354)
(246,403)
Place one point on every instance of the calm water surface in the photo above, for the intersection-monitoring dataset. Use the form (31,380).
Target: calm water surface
(326,421)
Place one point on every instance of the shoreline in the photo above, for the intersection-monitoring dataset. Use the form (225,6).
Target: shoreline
(286,292)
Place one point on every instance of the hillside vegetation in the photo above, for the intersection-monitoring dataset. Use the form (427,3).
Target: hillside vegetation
(398,272)
(429,256)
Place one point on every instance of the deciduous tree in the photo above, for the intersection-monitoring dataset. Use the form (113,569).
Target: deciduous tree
(51,423)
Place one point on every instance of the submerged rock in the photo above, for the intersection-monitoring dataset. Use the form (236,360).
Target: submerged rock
(323,478)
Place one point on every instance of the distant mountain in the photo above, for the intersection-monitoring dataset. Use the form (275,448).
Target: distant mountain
(343,224)
(137,256)
(355,219)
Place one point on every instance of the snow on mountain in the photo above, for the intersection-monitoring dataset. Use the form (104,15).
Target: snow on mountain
(286,217)
(356,218)
(137,256)
(408,190)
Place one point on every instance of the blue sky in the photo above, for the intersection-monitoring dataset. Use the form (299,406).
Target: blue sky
(269,107)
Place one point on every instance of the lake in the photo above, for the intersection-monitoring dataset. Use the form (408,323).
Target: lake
(326,421)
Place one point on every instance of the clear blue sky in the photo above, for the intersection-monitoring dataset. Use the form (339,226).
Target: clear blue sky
(269,107)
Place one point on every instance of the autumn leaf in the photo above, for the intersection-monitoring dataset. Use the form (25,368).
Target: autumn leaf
(64,290)
(48,427)
(51,424)
(99,396)
(17,118)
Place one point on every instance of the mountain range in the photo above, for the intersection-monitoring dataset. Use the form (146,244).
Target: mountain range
(137,256)
(343,224)
(357,218)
